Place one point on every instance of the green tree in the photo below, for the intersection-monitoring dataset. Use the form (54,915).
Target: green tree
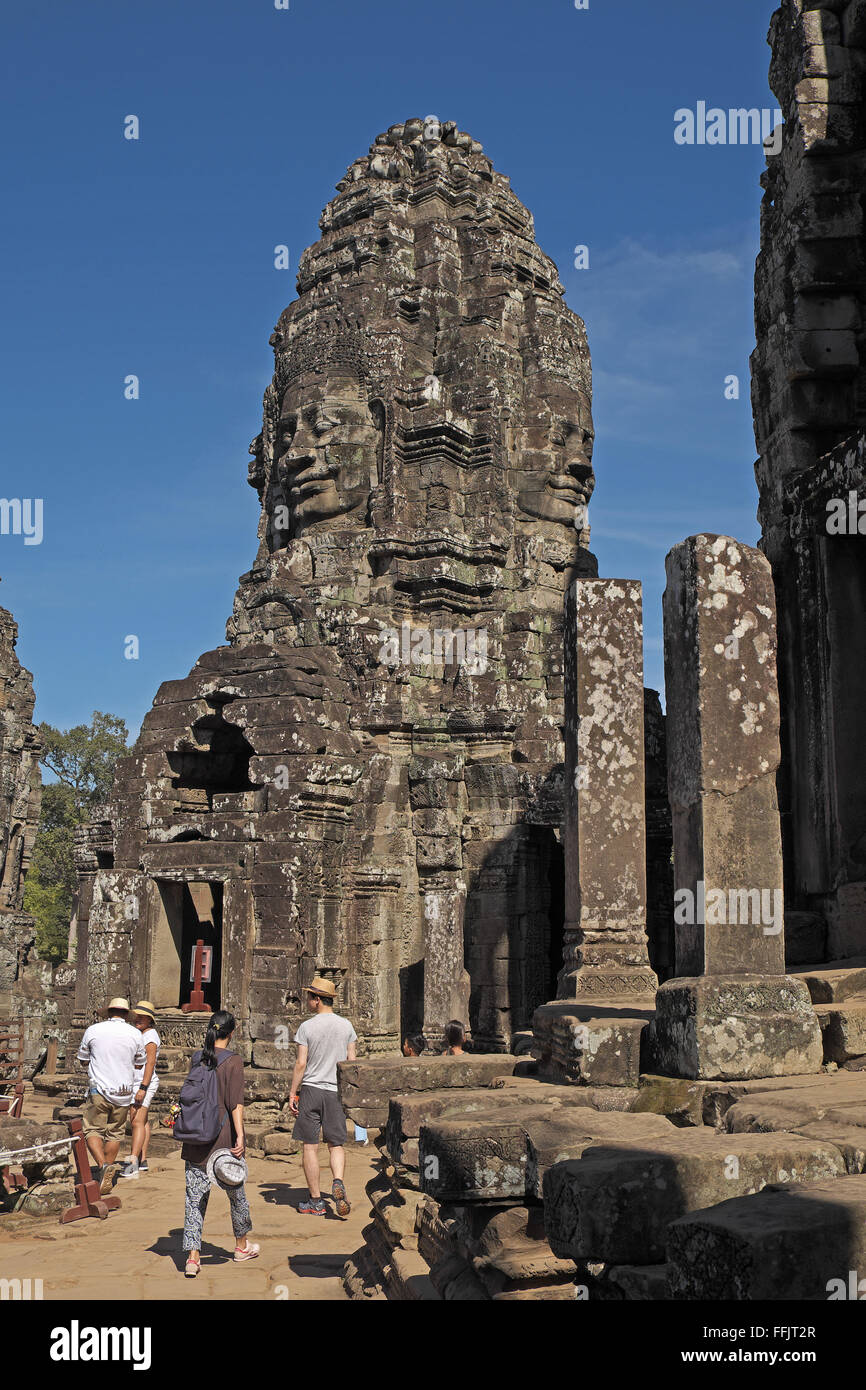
(82,759)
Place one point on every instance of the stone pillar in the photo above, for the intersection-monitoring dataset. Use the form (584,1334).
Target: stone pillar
(436,791)
(446,982)
(809,397)
(606,987)
(605,945)
(731,1012)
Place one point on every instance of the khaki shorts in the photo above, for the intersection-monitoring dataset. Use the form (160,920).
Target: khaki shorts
(101,1117)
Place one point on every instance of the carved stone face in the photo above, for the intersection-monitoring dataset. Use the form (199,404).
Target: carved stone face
(328,442)
(554,473)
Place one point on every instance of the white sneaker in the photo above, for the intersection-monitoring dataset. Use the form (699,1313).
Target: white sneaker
(129,1169)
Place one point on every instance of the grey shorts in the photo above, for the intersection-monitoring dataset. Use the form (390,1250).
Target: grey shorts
(319,1110)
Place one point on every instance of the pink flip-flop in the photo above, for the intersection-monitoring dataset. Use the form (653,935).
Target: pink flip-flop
(249,1254)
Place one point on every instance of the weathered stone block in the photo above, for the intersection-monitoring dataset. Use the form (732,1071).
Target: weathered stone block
(834,983)
(798,1243)
(371,1082)
(582,1044)
(615,1203)
(843,1030)
(503,1155)
(717,1027)
(280,1143)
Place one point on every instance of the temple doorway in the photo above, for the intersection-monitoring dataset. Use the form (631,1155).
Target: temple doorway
(513,934)
(187,913)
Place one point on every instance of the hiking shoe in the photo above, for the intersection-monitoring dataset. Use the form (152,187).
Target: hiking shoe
(315,1206)
(338,1192)
(107,1179)
(130,1169)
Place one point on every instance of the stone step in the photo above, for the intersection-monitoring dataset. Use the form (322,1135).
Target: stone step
(615,1202)
(835,981)
(395,1213)
(408,1278)
(365,1086)
(797,1242)
(833,1112)
(406,1114)
(496,1156)
(843,1029)
(528,1259)
(455,1280)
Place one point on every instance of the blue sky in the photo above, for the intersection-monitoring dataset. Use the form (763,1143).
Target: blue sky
(155,257)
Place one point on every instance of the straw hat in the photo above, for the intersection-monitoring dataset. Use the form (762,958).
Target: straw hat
(145,1007)
(320,986)
(117,1003)
(224,1168)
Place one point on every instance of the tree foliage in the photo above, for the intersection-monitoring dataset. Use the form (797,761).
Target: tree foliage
(82,759)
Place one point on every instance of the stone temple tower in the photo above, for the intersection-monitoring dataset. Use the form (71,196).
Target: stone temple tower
(366,782)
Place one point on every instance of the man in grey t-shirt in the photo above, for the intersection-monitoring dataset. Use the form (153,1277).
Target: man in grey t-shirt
(323,1041)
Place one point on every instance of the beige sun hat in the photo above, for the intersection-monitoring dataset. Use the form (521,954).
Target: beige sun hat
(320,986)
(145,1007)
(117,1003)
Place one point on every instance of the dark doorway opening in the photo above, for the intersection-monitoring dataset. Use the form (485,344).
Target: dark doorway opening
(202,920)
(513,934)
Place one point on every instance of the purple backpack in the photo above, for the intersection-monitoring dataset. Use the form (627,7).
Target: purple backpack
(201,1114)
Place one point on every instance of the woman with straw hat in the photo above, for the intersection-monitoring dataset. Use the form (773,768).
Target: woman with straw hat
(146,1083)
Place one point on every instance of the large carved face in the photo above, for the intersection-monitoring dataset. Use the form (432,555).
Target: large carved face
(327,448)
(554,470)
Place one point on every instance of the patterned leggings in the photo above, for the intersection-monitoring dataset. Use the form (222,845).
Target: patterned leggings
(198,1187)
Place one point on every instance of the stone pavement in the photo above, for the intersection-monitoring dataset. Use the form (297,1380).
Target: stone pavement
(135,1253)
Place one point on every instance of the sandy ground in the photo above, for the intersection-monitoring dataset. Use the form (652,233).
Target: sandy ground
(136,1252)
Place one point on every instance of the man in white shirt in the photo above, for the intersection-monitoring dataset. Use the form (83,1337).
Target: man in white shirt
(111,1051)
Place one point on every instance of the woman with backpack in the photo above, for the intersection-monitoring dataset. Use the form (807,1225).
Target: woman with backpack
(211,1125)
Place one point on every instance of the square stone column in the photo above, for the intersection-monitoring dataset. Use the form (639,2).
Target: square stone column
(604,833)
(606,988)
(731,1012)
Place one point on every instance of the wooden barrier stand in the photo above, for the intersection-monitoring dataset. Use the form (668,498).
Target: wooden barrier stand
(196,1003)
(89,1200)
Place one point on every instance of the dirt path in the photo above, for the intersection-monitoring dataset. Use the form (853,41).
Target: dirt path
(135,1253)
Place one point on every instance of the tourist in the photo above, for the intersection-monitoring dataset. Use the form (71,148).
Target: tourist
(413,1046)
(204,1162)
(111,1050)
(323,1041)
(147,1083)
(455,1036)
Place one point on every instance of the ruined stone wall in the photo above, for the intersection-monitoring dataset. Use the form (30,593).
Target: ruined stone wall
(809,396)
(358,797)
(25,981)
